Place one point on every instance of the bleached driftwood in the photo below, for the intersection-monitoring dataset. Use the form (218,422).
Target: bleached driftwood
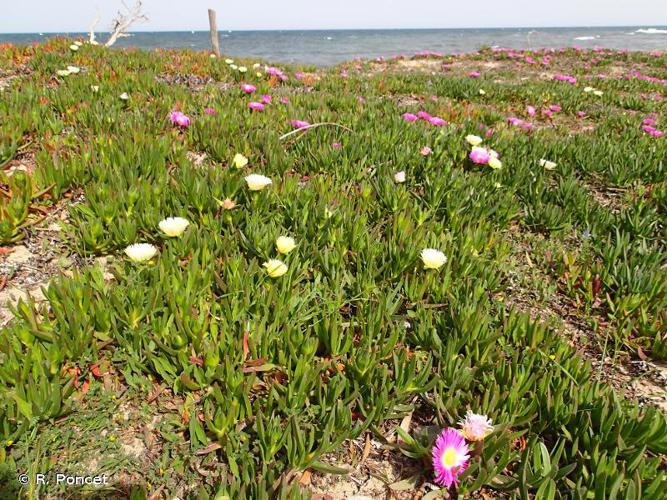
(124,20)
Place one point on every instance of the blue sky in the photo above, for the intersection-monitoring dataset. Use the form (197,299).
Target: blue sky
(76,15)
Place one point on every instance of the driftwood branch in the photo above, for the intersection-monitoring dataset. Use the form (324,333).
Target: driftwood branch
(91,35)
(124,20)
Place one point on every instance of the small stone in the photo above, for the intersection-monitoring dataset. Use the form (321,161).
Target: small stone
(20,255)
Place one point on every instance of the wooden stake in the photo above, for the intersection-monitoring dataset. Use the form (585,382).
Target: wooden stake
(215,44)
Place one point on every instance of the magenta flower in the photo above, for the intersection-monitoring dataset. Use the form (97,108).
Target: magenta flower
(480,156)
(581,114)
(178,118)
(450,457)
(284,100)
(555,107)
(256,106)
(409,117)
(531,110)
(424,115)
(425,151)
(267,99)
(474,74)
(248,88)
(657,133)
(336,145)
(210,111)
(649,121)
(437,122)
(299,124)
(648,128)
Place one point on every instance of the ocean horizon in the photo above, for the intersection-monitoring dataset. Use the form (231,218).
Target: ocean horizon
(333,46)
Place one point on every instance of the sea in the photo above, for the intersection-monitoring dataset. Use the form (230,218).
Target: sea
(330,47)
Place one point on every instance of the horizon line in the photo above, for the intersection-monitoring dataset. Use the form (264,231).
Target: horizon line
(344,29)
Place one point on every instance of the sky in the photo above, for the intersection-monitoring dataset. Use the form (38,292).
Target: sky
(21,16)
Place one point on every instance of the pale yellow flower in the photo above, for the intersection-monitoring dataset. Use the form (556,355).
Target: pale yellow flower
(482,92)
(240,161)
(173,226)
(588,89)
(73,69)
(548,165)
(474,140)
(285,244)
(257,182)
(433,259)
(74,48)
(62,72)
(243,69)
(229,61)
(124,96)
(140,252)
(275,268)
(495,163)
(598,93)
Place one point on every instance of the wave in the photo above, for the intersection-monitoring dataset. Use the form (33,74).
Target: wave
(652,31)
(586,37)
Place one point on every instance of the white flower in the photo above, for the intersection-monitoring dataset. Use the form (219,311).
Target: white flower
(256,65)
(62,72)
(212,56)
(140,252)
(78,43)
(257,182)
(548,165)
(124,96)
(73,69)
(74,47)
(94,42)
(95,88)
(475,427)
(588,89)
(259,74)
(275,268)
(173,226)
(243,69)
(229,61)
(474,140)
(598,93)
(233,66)
(399,177)
(240,161)
(482,92)
(285,244)
(433,259)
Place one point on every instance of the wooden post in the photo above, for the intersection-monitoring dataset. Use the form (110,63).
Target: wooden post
(215,44)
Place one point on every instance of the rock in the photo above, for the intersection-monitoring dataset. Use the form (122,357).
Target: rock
(19,255)
(134,448)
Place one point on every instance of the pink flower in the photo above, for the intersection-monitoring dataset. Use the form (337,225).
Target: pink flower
(425,151)
(437,122)
(581,114)
(648,128)
(284,100)
(336,145)
(256,106)
(210,111)
(657,133)
(409,117)
(531,110)
(547,112)
(267,99)
(424,115)
(248,88)
(555,107)
(649,121)
(514,120)
(299,124)
(488,133)
(480,156)
(474,74)
(450,457)
(178,118)
(475,427)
